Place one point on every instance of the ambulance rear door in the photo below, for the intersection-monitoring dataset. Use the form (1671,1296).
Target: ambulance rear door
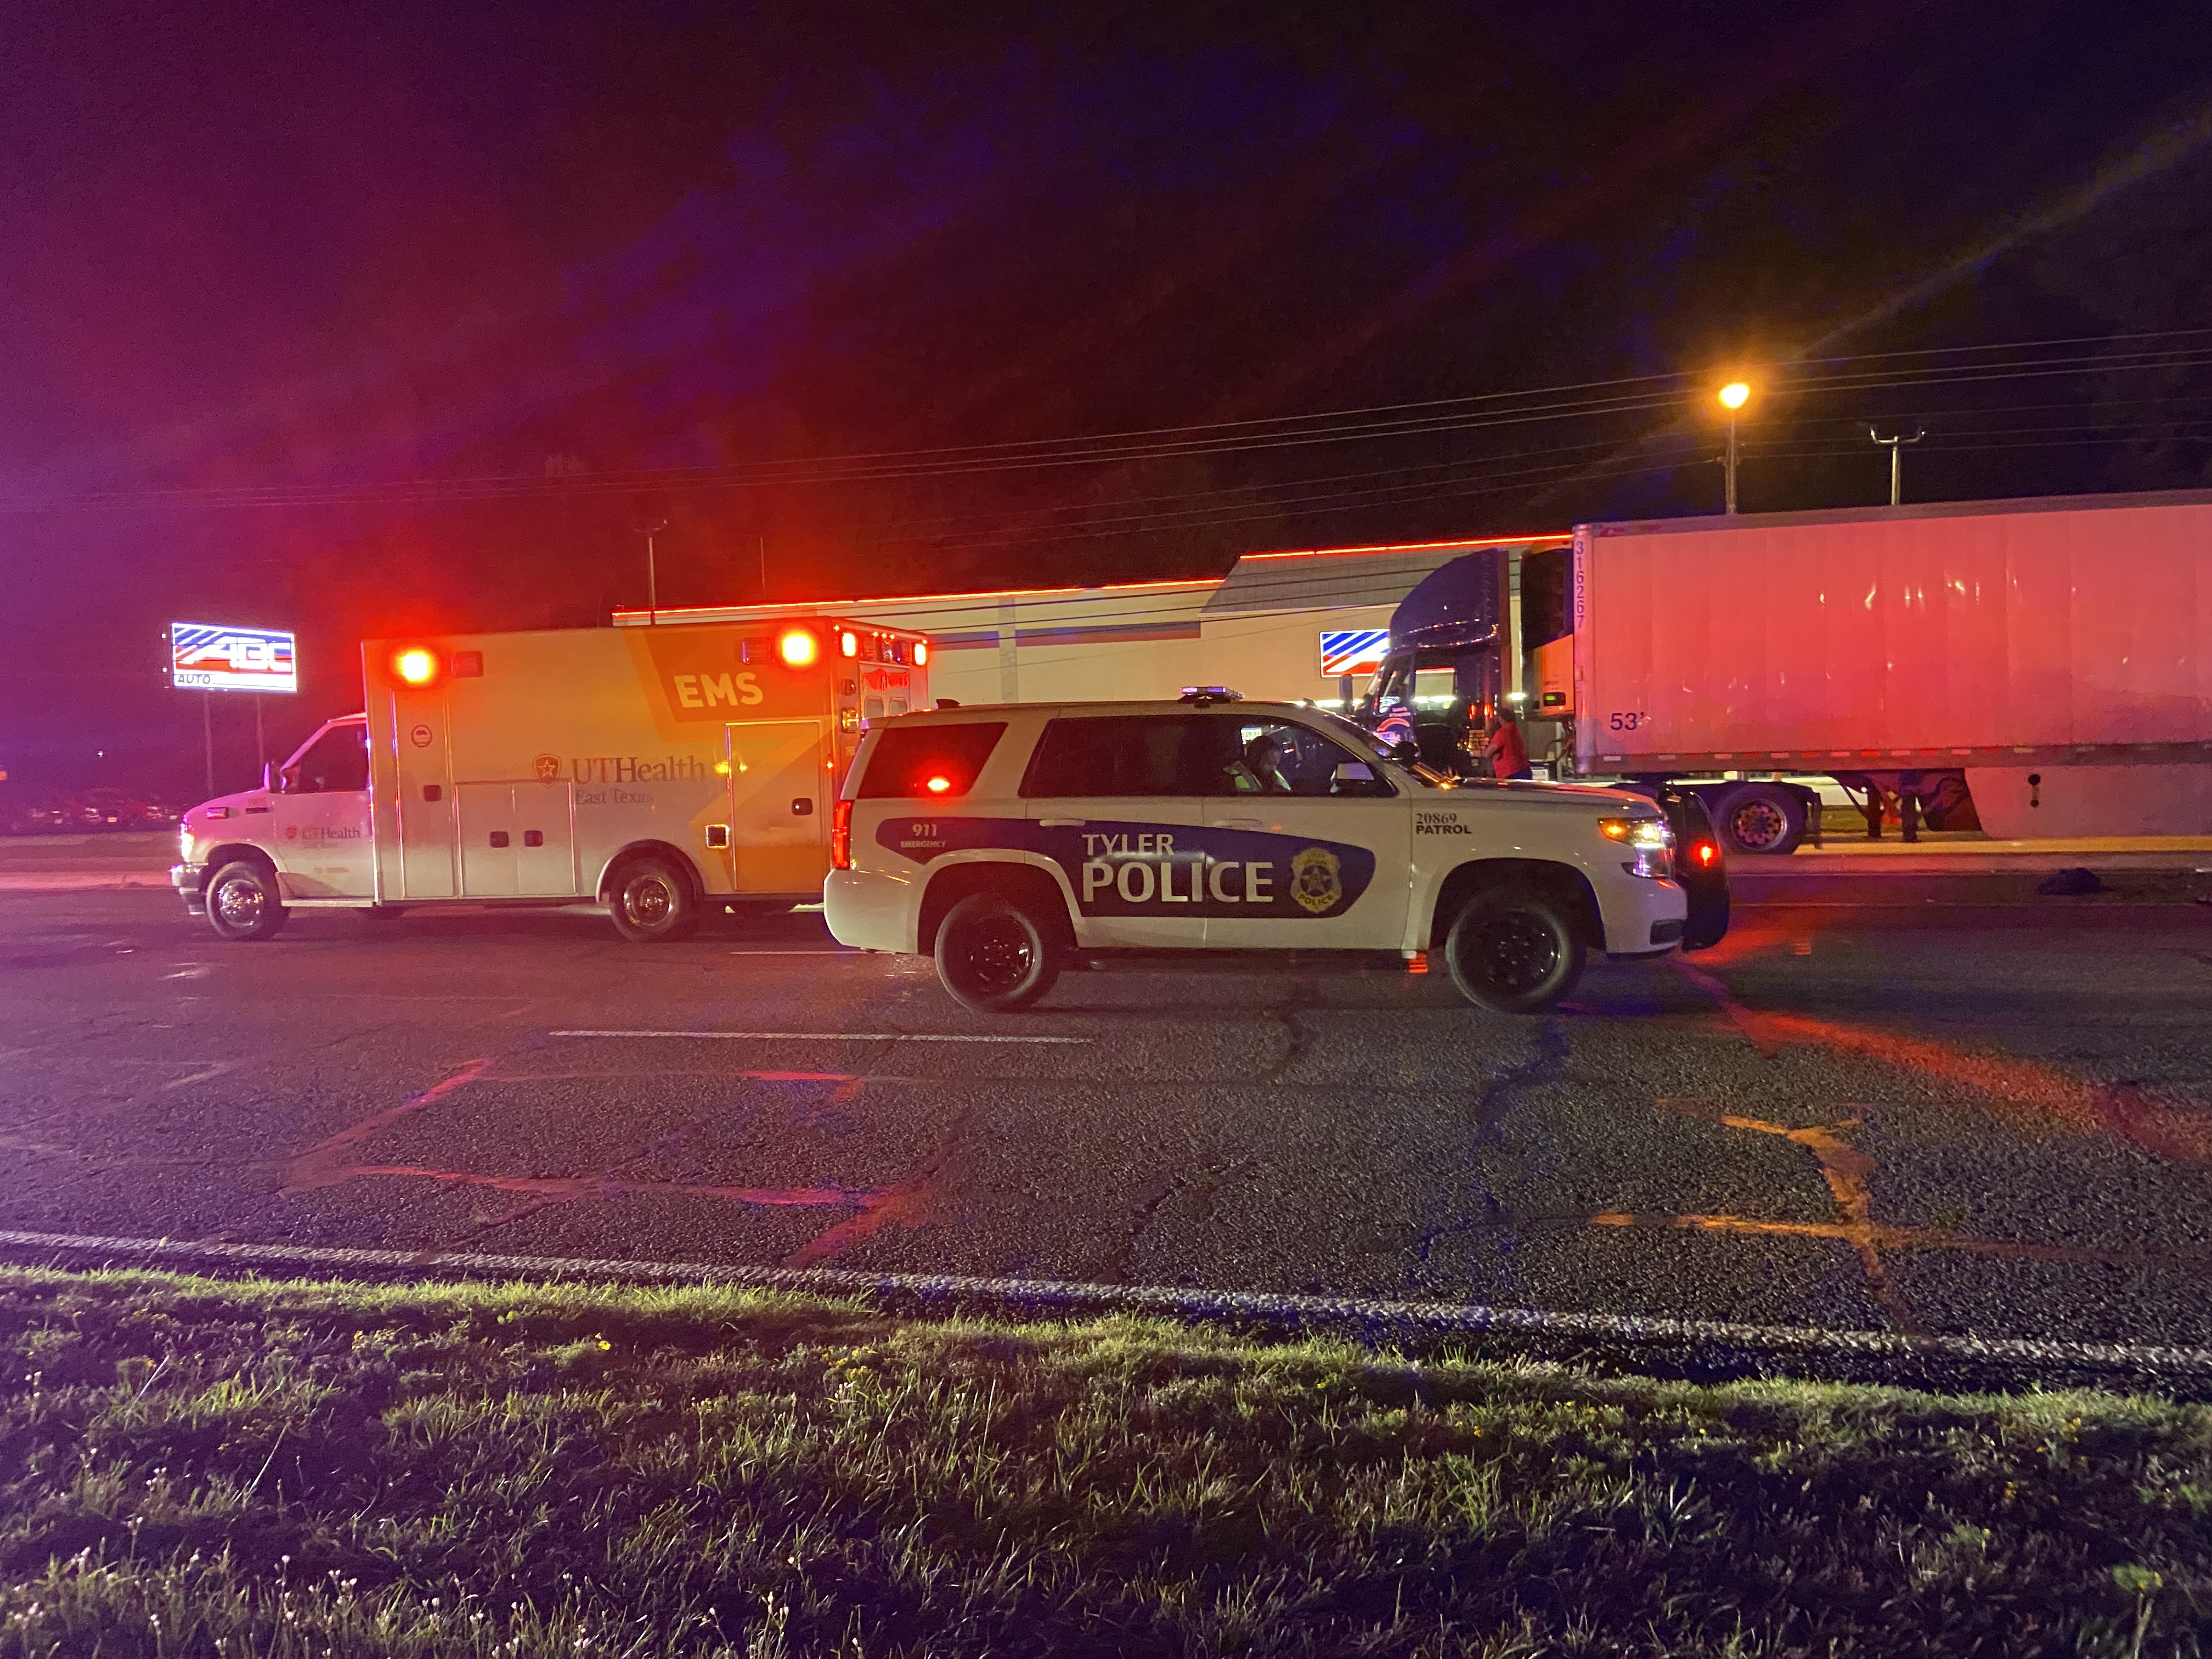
(780,788)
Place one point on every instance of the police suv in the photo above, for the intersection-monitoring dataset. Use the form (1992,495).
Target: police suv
(1000,840)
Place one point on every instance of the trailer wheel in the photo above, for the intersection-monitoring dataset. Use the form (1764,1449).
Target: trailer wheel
(652,903)
(993,956)
(243,903)
(1761,817)
(1514,950)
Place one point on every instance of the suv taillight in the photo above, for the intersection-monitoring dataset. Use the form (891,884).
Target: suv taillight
(841,836)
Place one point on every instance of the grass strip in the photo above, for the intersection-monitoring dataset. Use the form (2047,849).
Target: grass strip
(203,1466)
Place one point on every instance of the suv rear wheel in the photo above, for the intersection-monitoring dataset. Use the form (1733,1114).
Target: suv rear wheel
(1514,950)
(243,903)
(652,903)
(994,956)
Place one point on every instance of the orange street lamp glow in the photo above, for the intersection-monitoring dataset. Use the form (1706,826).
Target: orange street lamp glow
(1734,395)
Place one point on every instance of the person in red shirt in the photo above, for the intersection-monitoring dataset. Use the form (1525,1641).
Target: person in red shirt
(1506,750)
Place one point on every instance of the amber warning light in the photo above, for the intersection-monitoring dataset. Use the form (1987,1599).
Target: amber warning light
(415,665)
(798,648)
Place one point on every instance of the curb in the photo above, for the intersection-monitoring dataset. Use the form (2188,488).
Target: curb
(1726,1348)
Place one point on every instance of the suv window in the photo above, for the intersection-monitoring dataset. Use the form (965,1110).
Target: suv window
(339,760)
(1125,755)
(928,763)
(1281,757)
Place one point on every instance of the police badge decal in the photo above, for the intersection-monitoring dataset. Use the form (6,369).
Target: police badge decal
(1315,883)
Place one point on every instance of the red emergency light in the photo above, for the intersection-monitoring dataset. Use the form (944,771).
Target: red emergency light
(1708,855)
(414,665)
(921,652)
(849,643)
(939,785)
(798,648)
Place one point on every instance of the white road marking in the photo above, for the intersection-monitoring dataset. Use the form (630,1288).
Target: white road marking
(215,1070)
(829,1037)
(1033,1298)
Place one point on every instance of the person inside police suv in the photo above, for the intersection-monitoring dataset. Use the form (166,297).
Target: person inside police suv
(1263,764)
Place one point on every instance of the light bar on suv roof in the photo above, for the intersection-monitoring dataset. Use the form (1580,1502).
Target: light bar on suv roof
(1202,695)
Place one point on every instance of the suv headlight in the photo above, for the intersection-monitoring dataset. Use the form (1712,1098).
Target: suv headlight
(1650,840)
(183,845)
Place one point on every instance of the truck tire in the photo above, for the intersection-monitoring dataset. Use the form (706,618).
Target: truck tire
(994,956)
(1514,950)
(243,901)
(652,902)
(1760,817)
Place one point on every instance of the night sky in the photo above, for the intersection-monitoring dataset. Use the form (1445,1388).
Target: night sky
(356,318)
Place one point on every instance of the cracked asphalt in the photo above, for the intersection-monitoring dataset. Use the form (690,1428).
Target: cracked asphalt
(1938,1104)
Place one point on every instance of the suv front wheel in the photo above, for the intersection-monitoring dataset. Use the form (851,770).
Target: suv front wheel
(994,956)
(1514,950)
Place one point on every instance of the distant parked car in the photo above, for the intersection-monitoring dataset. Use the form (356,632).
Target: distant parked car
(25,811)
(118,811)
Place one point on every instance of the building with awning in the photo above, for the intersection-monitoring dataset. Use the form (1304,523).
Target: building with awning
(1259,629)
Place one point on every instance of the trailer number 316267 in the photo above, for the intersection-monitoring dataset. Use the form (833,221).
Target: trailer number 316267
(1620,721)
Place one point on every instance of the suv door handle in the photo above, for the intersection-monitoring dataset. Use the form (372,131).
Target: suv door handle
(1061,824)
(1236,824)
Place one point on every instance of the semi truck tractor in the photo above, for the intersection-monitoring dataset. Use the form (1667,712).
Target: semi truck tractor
(654,770)
(2032,668)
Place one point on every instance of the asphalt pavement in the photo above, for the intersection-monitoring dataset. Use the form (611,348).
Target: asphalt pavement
(1925,1104)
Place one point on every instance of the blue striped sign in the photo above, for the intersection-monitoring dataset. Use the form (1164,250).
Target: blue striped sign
(1357,651)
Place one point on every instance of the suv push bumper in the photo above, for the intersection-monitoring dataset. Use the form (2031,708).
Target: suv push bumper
(190,882)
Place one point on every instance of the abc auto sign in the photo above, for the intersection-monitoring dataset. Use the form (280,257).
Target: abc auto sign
(210,657)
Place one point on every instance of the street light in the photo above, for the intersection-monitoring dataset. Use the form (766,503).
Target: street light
(1733,397)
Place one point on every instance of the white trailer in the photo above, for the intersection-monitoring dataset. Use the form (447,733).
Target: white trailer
(654,770)
(2048,660)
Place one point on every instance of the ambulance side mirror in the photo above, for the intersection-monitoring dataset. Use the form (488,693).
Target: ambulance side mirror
(268,776)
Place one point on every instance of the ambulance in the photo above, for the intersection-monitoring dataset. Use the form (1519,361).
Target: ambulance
(657,771)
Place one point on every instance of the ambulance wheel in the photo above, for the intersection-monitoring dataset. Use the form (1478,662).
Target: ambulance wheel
(1514,952)
(243,903)
(993,956)
(652,903)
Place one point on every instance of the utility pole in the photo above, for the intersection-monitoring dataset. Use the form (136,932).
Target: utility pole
(207,732)
(652,585)
(1893,434)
